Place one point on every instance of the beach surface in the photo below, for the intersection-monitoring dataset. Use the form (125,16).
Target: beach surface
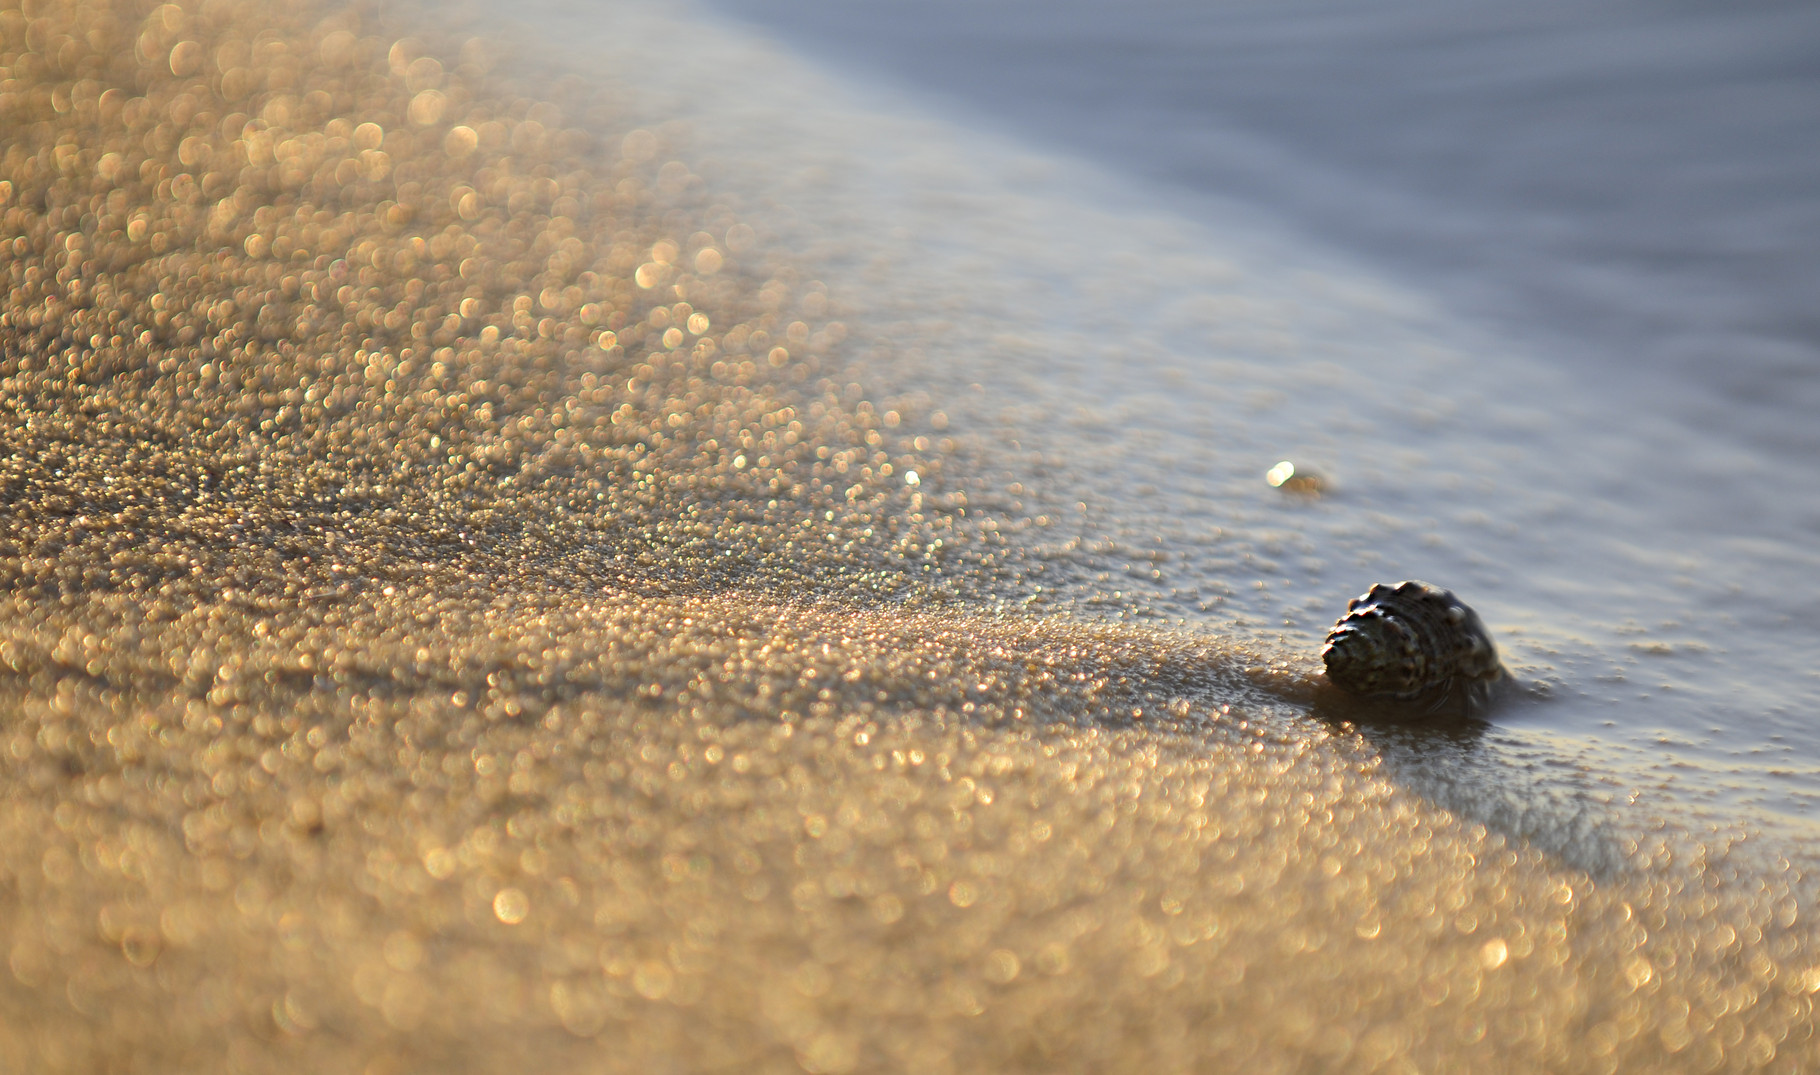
(481,591)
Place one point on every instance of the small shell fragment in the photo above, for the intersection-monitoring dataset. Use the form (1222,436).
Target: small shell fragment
(1288,477)
(1416,643)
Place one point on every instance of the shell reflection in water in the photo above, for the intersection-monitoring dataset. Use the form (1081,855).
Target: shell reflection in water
(1414,643)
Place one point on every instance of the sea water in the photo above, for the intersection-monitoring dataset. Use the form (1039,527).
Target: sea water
(1530,289)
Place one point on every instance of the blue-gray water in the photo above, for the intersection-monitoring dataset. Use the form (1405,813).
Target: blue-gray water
(1632,186)
(1534,286)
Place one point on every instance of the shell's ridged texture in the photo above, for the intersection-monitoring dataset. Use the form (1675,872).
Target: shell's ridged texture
(1413,642)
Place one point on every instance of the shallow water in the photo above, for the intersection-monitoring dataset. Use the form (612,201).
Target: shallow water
(469,604)
(1628,184)
(1533,287)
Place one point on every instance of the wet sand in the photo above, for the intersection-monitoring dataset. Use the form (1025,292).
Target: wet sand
(463,611)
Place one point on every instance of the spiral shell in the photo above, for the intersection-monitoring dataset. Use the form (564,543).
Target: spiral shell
(1416,643)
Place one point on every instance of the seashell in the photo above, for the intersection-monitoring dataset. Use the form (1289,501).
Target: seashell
(1293,479)
(1416,643)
